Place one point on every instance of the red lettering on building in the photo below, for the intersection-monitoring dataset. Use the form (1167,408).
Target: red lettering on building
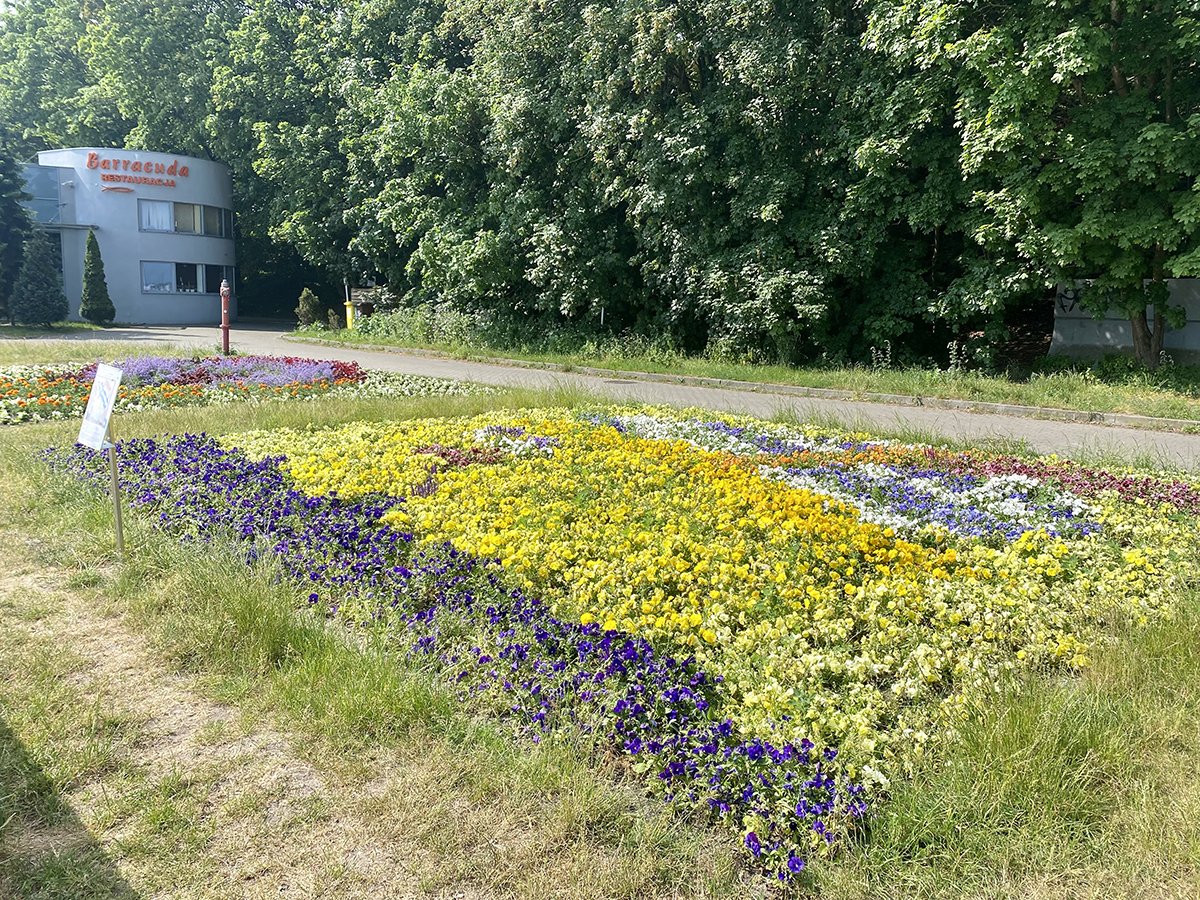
(125,164)
(138,179)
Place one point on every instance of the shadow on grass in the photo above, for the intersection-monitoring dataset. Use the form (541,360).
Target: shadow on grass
(46,853)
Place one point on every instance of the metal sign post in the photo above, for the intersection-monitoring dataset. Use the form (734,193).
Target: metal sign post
(96,431)
(116,493)
(225,292)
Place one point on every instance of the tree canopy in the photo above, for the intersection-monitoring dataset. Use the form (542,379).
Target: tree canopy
(761,177)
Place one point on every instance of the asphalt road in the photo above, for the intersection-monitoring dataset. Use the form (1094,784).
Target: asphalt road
(1065,438)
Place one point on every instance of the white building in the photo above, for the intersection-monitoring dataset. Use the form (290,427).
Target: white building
(164,224)
(1077,332)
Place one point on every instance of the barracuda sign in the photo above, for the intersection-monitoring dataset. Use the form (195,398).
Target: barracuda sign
(126,170)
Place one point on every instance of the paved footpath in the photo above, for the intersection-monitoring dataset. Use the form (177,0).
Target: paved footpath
(1067,438)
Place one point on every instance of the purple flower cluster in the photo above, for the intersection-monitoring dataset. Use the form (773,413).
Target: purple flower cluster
(265,371)
(1088,482)
(506,652)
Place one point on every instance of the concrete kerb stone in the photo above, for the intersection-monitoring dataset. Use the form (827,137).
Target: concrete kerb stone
(1121,420)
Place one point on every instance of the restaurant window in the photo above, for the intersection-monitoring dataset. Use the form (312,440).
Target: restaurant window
(186,275)
(155,215)
(186,220)
(158,277)
(214,275)
(212,221)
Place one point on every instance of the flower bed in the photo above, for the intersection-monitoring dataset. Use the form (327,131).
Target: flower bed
(39,393)
(765,623)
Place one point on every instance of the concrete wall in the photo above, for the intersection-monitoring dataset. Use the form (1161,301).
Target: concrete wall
(1078,333)
(103,196)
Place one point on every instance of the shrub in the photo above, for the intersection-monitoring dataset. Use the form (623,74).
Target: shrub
(424,324)
(15,225)
(309,308)
(96,306)
(37,296)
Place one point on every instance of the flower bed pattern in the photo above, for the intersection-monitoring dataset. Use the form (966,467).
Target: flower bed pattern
(40,393)
(766,623)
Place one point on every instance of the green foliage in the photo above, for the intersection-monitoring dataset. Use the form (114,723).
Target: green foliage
(424,324)
(683,168)
(309,308)
(15,226)
(37,295)
(96,306)
(1077,125)
(48,95)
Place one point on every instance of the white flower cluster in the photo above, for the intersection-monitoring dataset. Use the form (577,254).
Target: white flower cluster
(883,498)
(522,446)
(401,384)
(716,437)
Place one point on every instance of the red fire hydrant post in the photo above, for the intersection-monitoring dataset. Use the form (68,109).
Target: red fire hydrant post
(225,316)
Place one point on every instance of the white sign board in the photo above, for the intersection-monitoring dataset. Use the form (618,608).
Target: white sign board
(100,407)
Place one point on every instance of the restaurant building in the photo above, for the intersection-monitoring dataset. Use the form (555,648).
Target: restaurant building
(164,224)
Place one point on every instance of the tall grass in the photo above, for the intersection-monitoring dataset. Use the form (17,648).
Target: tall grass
(1057,787)
(1112,385)
(22,352)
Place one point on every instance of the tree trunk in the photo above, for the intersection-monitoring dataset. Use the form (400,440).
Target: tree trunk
(1147,340)
(1156,339)
(1143,340)
(1158,290)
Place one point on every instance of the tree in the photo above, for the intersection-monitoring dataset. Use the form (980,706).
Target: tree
(1080,137)
(96,306)
(48,94)
(37,296)
(15,226)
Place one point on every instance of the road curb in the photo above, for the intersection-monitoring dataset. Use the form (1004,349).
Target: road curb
(1119,420)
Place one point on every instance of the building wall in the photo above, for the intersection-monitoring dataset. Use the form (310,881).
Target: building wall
(1079,333)
(100,189)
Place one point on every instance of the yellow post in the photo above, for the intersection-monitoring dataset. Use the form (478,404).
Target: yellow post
(349,315)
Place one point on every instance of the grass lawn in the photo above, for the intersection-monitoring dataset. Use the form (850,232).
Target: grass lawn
(1172,393)
(42,331)
(180,723)
(15,352)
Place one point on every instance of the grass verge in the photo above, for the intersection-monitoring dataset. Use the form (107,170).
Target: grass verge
(33,352)
(1172,393)
(41,331)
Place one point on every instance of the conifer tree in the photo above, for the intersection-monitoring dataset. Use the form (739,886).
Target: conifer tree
(309,308)
(37,296)
(96,306)
(15,226)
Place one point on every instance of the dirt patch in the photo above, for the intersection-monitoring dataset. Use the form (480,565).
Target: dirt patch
(267,822)
(23,838)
